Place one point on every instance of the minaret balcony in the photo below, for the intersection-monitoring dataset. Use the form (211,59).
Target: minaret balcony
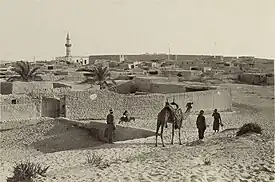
(68,45)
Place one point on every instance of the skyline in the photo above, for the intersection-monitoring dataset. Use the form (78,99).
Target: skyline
(238,28)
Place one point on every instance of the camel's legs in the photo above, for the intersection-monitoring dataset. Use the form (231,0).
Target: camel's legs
(173,133)
(157,132)
(179,138)
(161,134)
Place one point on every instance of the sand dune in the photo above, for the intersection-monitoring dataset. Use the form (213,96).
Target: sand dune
(65,149)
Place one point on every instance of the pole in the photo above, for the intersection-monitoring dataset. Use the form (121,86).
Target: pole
(213,97)
(214,49)
(169,54)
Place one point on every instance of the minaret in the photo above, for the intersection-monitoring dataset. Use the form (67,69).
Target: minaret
(68,46)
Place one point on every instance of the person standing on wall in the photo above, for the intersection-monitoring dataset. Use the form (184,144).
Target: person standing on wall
(201,125)
(217,121)
(110,126)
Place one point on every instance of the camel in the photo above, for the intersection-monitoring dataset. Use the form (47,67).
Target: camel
(170,115)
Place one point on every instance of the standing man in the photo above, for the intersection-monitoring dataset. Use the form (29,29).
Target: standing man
(217,121)
(110,126)
(201,125)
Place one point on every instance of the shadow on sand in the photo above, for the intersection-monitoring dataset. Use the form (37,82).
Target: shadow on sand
(65,137)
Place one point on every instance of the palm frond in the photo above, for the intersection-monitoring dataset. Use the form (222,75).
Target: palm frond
(28,69)
(105,69)
(32,71)
(24,66)
(103,73)
(20,72)
(14,78)
(113,81)
(20,66)
(36,76)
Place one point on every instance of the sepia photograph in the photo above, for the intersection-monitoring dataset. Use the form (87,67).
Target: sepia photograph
(137,90)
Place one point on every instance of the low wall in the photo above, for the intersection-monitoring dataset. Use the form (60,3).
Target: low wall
(17,111)
(122,133)
(166,88)
(127,87)
(142,84)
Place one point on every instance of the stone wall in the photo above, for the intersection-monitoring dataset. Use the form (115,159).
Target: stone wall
(20,99)
(26,87)
(12,112)
(254,78)
(51,77)
(62,77)
(220,99)
(38,94)
(49,92)
(80,106)
(27,106)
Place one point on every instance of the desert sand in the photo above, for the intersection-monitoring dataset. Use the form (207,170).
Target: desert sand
(65,148)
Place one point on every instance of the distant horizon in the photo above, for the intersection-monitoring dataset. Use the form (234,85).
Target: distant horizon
(190,27)
(160,53)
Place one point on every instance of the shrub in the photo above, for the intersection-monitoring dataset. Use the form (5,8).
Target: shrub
(97,160)
(94,159)
(207,161)
(27,171)
(249,127)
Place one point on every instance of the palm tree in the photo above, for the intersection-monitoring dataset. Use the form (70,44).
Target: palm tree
(25,72)
(98,75)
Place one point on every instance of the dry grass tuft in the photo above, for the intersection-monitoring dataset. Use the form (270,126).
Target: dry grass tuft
(97,160)
(27,171)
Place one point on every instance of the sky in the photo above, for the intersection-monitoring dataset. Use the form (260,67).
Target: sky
(222,27)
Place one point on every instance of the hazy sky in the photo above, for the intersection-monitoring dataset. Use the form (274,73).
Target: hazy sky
(38,27)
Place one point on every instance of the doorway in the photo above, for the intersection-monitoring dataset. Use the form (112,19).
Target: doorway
(50,107)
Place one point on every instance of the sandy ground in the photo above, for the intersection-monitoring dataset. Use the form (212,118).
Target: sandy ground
(65,148)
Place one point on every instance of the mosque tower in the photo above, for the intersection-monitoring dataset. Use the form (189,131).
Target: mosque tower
(68,46)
